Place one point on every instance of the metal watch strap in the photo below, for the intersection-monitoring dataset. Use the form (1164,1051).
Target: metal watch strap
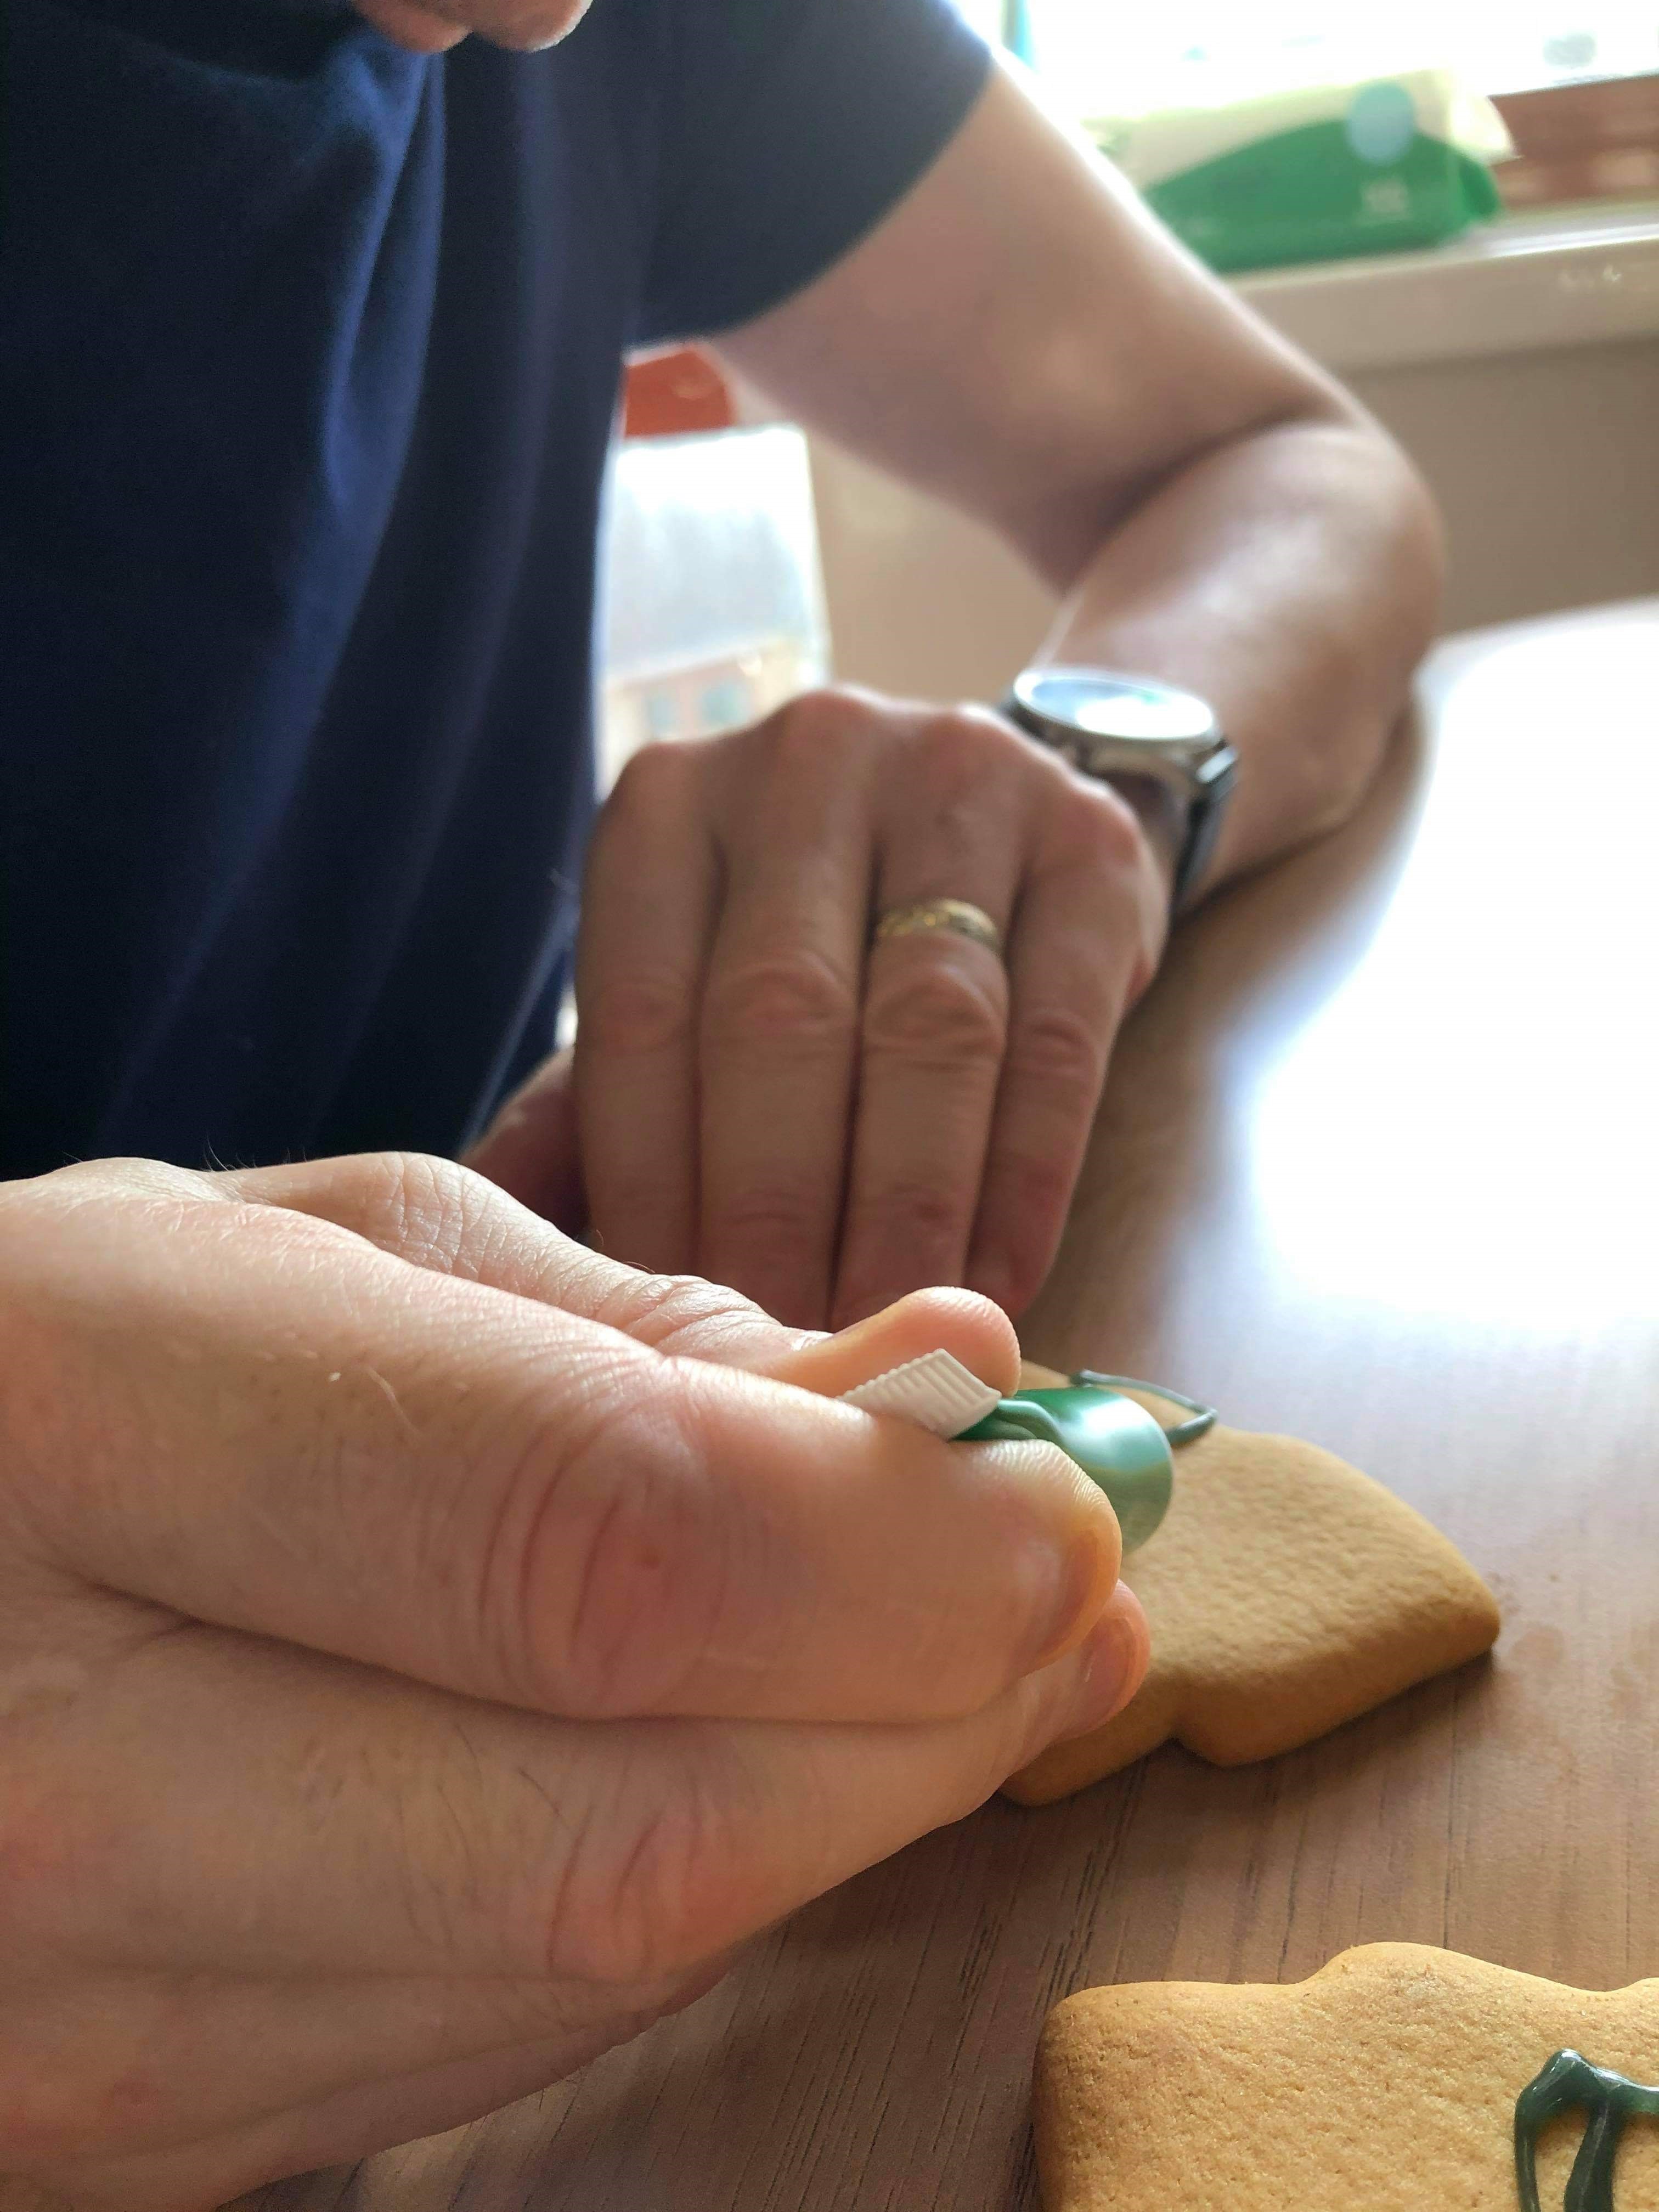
(1216,778)
(1203,792)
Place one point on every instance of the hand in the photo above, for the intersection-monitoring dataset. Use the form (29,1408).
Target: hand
(767,1099)
(420,1664)
(429,29)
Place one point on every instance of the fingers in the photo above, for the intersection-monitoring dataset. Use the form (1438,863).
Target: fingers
(125,2095)
(530,1150)
(257,1420)
(448,1218)
(978,1334)
(648,907)
(979,1084)
(1085,942)
(761,1818)
(822,1122)
(934,1022)
(447,1901)
(299,1820)
(935,1018)
(779,1025)
(438,1216)
(295,1819)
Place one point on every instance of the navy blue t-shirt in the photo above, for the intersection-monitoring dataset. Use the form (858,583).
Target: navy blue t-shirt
(309,350)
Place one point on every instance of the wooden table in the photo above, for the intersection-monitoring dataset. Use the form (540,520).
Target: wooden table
(1380,1166)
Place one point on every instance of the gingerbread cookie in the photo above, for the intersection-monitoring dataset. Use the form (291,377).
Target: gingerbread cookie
(1287,1592)
(1399,2079)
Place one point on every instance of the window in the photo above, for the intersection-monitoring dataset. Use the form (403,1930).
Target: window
(1576,81)
(1116,58)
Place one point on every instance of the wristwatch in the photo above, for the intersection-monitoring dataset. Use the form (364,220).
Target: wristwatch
(1112,726)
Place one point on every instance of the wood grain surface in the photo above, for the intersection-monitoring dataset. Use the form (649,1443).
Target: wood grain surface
(1379,1166)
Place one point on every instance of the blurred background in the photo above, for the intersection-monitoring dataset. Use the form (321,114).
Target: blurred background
(1454,208)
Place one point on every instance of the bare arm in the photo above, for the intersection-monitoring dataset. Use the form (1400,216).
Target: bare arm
(763,1094)
(1019,336)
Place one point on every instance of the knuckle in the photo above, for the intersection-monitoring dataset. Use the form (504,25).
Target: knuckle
(636,1013)
(970,731)
(1058,1048)
(658,1885)
(428,1203)
(1095,829)
(763,1218)
(1037,1188)
(651,781)
(495,1546)
(660,1309)
(917,1218)
(938,1015)
(796,1002)
(952,755)
(121,1177)
(607,1571)
(146,1187)
(822,710)
(648,1593)
(808,735)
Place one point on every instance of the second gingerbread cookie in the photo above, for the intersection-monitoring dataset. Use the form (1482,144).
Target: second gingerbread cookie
(1398,2079)
(1287,1592)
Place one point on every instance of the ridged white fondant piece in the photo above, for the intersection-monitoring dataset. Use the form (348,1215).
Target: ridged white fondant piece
(936,1392)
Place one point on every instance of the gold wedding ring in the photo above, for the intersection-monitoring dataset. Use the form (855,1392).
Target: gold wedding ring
(959,916)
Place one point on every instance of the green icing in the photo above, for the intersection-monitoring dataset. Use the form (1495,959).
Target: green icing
(1608,2101)
(1116,1442)
(1201,1420)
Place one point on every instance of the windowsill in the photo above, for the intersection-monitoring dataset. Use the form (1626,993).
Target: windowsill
(1563,276)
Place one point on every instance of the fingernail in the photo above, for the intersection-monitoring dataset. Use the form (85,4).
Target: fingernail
(925,1321)
(1112,1664)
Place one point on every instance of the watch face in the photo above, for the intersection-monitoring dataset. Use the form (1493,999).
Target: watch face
(1102,705)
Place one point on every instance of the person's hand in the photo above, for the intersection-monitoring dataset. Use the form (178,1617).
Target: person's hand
(768,1098)
(420,1663)
(428,27)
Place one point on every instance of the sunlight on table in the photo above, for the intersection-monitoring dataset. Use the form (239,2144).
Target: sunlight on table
(1469,1127)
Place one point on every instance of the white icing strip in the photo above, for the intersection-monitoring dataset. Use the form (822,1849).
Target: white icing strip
(936,1392)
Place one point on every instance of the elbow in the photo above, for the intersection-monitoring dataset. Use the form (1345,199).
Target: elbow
(1404,578)
(1408,531)
(1419,535)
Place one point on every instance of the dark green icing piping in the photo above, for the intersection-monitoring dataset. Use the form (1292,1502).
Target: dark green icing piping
(1184,1432)
(1608,2100)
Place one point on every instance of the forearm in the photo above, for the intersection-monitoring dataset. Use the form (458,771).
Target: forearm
(1291,577)
(1021,338)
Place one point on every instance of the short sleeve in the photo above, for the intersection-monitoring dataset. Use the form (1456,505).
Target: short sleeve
(789,127)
